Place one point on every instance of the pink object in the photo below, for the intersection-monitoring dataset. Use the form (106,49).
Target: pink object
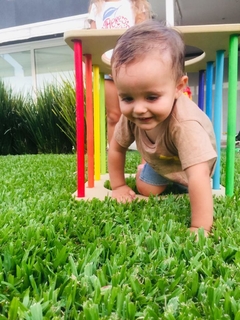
(187,92)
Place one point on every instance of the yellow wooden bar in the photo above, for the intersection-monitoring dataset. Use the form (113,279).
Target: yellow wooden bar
(96,104)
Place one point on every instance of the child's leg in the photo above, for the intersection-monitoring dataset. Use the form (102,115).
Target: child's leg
(149,182)
(112,107)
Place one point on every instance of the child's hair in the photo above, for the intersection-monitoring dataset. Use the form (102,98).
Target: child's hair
(139,40)
(138,6)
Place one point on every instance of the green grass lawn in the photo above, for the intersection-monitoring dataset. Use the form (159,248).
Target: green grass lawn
(67,259)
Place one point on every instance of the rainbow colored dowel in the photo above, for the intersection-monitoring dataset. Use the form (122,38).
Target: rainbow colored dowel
(215,41)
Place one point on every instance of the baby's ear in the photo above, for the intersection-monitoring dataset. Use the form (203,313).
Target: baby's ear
(181,84)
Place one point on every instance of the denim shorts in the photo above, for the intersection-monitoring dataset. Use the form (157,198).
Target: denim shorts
(150,176)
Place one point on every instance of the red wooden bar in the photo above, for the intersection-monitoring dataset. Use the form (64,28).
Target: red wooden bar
(79,118)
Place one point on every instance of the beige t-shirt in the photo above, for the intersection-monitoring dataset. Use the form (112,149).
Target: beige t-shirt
(184,139)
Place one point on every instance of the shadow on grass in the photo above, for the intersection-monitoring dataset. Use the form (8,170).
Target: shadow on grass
(172,188)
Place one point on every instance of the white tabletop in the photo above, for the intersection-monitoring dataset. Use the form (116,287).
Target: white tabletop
(208,38)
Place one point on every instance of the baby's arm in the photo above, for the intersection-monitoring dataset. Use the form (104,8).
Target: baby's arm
(144,14)
(92,24)
(140,18)
(200,193)
(116,164)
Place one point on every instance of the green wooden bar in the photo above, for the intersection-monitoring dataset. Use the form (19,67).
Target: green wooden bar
(232,113)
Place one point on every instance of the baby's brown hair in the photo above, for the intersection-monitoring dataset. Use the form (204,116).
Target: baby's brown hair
(145,37)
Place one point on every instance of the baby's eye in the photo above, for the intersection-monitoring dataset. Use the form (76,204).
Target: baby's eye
(152,98)
(127,99)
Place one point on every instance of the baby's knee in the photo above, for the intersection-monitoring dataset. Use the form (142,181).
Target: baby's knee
(113,117)
(150,190)
(146,189)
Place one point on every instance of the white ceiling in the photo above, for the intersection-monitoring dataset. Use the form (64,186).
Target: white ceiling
(198,12)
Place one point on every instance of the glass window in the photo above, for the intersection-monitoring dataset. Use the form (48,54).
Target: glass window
(53,64)
(15,70)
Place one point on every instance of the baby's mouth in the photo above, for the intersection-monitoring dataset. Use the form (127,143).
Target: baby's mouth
(145,119)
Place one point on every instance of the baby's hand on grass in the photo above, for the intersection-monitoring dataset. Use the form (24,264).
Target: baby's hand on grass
(123,194)
(195,230)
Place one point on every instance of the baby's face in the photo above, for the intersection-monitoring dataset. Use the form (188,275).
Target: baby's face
(147,90)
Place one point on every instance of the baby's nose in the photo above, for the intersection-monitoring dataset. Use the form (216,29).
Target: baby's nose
(139,108)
